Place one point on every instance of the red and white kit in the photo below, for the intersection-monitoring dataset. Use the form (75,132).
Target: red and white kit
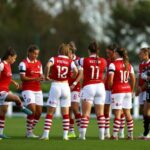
(75,92)
(5,80)
(93,86)
(31,90)
(60,73)
(121,90)
(142,95)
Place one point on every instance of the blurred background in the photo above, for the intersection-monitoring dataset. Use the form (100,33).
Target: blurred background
(48,23)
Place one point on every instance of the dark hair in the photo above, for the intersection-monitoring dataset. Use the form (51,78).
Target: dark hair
(10,52)
(72,46)
(32,48)
(123,53)
(93,48)
(112,46)
(146,51)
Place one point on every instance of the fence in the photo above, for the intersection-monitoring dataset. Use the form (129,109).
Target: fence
(10,112)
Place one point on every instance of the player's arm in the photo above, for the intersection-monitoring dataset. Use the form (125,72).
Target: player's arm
(111,71)
(79,78)
(48,66)
(74,70)
(16,84)
(1,68)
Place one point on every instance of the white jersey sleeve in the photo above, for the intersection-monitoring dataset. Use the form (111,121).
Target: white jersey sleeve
(51,60)
(22,68)
(80,62)
(111,68)
(41,70)
(132,70)
(73,65)
(1,66)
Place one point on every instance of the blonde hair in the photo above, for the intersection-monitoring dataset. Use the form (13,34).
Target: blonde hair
(64,49)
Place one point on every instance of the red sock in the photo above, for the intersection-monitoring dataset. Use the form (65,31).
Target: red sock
(48,122)
(30,119)
(71,127)
(2,124)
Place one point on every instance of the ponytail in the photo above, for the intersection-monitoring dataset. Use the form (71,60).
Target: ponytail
(93,48)
(123,53)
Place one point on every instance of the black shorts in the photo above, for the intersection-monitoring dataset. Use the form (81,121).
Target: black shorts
(148,95)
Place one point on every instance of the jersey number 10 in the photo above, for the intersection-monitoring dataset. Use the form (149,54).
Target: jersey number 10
(124,76)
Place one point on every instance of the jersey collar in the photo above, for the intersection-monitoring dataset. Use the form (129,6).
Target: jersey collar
(29,61)
(63,56)
(93,55)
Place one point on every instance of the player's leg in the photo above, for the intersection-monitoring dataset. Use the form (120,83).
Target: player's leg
(54,95)
(116,104)
(122,125)
(107,110)
(14,98)
(65,103)
(99,101)
(75,105)
(127,105)
(71,133)
(38,109)
(48,122)
(29,99)
(3,111)
(86,110)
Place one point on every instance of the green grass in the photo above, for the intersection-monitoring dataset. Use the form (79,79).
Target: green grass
(15,127)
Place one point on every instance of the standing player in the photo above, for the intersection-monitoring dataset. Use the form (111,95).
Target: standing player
(6,96)
(74,84)
(141,92)
(31,74)
(110,54)
(119,72)
(59,68)
(146,77)
(93,90)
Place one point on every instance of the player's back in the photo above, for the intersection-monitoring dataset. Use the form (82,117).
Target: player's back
(61,68)
(93,70)
(121,77)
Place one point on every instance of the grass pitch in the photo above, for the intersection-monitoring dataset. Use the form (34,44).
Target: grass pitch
(15,127)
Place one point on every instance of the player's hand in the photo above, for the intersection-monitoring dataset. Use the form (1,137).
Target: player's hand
(47,79)
(17,86)
(72,87)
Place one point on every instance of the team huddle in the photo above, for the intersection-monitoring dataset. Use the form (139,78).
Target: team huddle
(93,80)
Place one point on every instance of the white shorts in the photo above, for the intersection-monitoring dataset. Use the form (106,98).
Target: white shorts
(108,97)
(32,97)
(121,100)
(142,97)
(75,96)
(59,94)
(94,93)
(3,95)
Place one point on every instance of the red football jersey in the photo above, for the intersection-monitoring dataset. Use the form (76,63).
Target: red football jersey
(71,80)
(93,69)
(6,76)
(121,76)
(61,68)
(109,61)
(142,67)
(32,70)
